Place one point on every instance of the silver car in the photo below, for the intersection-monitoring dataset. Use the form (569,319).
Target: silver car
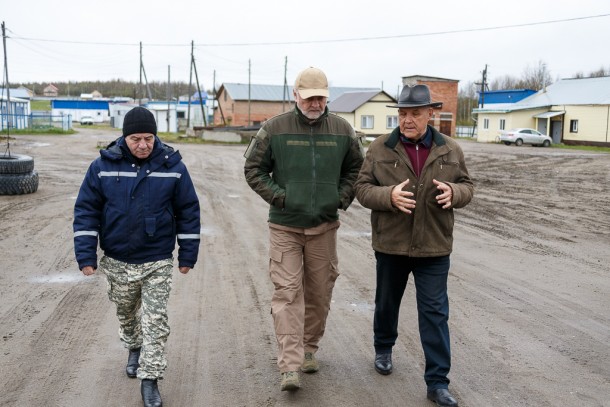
(524,136)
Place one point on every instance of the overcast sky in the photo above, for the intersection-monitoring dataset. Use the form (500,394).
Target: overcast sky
(371,43)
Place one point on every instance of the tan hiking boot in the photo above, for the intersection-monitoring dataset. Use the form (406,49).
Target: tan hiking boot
(310,363)
(290,381)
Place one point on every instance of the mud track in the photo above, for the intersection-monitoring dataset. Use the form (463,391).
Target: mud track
(529,284)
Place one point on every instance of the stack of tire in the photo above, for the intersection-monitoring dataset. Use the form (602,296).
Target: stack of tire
(17,174)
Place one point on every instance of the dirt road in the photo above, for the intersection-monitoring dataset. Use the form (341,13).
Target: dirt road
(529,291)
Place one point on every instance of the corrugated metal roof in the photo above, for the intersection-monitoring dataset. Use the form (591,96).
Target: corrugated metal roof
(348,102)
(587,91)
(275,93)
(550,114)
(17,92)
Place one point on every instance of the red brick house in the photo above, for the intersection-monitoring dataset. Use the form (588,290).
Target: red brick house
(442,90)
(238,101)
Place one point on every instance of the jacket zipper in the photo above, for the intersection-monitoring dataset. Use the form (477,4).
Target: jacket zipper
(313,168)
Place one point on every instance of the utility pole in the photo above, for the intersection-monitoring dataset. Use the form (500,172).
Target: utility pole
(143,71)
(188,112)
(168,96)
(141,67)
(8,95)
(285,94)
(249,89)
(222,116)
(205,121)
(483,86)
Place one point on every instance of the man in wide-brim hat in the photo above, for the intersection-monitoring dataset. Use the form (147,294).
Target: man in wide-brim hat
(412,179)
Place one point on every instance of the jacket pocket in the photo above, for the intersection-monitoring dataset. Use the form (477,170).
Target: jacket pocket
(299,197)
(150,226)
(327,198)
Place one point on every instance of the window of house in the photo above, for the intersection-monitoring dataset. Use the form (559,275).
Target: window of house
(502,124)
(180,115)
(391,122)
(366,122)
(573,126)
(485,124)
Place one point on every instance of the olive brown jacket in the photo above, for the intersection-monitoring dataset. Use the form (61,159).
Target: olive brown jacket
(428,230)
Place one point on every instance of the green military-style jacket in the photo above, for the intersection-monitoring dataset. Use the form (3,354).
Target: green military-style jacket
(305,170)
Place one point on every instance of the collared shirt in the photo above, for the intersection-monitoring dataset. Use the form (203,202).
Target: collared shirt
(418,150)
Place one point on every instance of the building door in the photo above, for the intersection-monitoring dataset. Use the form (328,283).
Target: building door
(556,130)
(542,123)
(445,126)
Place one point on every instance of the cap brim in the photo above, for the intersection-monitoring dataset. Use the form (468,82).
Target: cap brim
(308,93)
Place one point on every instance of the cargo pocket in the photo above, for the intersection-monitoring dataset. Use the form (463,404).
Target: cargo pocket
(150,226)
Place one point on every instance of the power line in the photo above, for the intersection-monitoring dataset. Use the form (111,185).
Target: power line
(386,37)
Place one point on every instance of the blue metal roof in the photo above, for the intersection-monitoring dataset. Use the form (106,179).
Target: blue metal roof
(79,104)
(504,96)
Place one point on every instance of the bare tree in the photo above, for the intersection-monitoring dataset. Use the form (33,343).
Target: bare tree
(600,72)
(537,77)
(505,82)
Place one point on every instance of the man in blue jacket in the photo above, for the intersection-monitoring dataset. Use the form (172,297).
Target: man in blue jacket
(136,200)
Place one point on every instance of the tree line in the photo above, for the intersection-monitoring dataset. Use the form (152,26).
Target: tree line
(117,88)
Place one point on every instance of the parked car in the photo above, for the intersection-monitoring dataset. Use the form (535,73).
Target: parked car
(524,136)
(86,120)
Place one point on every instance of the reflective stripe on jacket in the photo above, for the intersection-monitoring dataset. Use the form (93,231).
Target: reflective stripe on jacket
(137,210)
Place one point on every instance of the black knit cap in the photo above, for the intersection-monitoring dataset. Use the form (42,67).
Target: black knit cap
(139,120)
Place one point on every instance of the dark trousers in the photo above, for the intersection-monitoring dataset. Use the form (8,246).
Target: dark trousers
(430,275)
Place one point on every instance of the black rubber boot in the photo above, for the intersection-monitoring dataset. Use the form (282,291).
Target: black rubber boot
(133,362)
(150,393)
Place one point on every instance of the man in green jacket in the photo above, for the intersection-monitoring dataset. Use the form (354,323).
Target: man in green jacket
(412,179)
(304,163)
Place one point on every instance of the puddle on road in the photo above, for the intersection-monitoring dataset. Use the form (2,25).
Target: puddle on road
(207,231)
(58,278)
(363,307)
(37,144)
(354,233)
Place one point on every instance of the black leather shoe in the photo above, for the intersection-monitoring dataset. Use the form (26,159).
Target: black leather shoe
(150,393)
(442,397)
(133,362)
(383,363)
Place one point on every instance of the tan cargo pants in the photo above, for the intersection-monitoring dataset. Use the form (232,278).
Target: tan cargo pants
(303,267)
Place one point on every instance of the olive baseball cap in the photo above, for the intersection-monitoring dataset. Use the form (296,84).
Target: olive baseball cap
(311,82)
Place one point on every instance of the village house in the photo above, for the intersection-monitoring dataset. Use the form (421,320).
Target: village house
(367,111)
(50,91)
(570,111)
(250,105)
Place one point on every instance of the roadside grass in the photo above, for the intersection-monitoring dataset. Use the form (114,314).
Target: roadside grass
(38,131)
(40,105)
(585,148)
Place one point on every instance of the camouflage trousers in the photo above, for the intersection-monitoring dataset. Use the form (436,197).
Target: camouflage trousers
(140,293)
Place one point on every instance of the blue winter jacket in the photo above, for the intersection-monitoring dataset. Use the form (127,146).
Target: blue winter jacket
(137,210)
